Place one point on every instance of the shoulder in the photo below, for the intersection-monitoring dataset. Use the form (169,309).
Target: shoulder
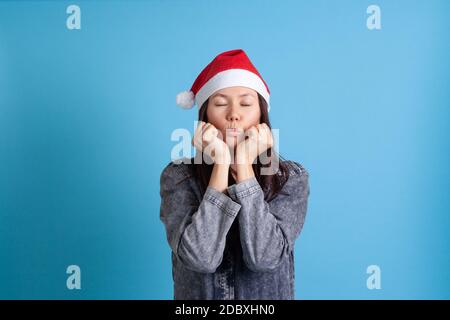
(298,179)
(295,168)
(176,171)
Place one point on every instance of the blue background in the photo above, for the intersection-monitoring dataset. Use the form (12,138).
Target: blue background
(86,117)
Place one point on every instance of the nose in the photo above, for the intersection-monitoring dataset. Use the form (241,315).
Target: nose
(233,113)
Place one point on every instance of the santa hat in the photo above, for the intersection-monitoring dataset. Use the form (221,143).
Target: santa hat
(229,69)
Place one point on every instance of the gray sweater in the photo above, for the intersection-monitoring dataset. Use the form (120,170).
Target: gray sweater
(234,246)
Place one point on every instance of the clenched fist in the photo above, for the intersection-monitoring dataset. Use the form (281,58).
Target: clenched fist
(206,140)
(259,140)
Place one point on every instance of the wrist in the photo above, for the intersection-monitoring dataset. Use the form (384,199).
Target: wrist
(219,177)
(223,159)
(243,159)
(244,172)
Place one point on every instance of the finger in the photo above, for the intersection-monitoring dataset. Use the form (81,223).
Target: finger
(261,133)
(265,128)
(201,124)
(197,139)
(209,133)
(269,137)
(205,128)
(199,128)
(252,132)
(213,129)
(266,131)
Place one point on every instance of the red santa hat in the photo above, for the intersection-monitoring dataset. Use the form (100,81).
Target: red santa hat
(229,69)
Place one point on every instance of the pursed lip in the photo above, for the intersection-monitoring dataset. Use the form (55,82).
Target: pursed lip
(233,131)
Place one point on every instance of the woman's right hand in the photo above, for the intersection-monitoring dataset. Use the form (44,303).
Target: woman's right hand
(206,140)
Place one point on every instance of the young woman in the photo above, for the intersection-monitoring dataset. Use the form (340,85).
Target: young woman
(232,218)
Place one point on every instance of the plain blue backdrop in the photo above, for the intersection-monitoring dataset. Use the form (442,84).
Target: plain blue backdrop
(86,118)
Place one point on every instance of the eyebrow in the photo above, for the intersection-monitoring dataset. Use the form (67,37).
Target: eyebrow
(225,96)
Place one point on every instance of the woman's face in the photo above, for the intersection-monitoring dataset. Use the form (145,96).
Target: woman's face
(233,107)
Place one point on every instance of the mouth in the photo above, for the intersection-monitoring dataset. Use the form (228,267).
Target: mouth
(233,131)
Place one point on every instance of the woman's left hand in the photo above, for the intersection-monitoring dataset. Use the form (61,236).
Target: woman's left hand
(259,140)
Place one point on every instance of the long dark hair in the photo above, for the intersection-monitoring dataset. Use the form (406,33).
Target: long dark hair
(270,184)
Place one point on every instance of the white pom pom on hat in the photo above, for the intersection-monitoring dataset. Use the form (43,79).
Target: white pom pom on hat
(228,69)
(185,99)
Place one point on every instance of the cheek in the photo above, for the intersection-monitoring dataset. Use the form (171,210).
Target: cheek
(215,118)
(212,114)
(253,118)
